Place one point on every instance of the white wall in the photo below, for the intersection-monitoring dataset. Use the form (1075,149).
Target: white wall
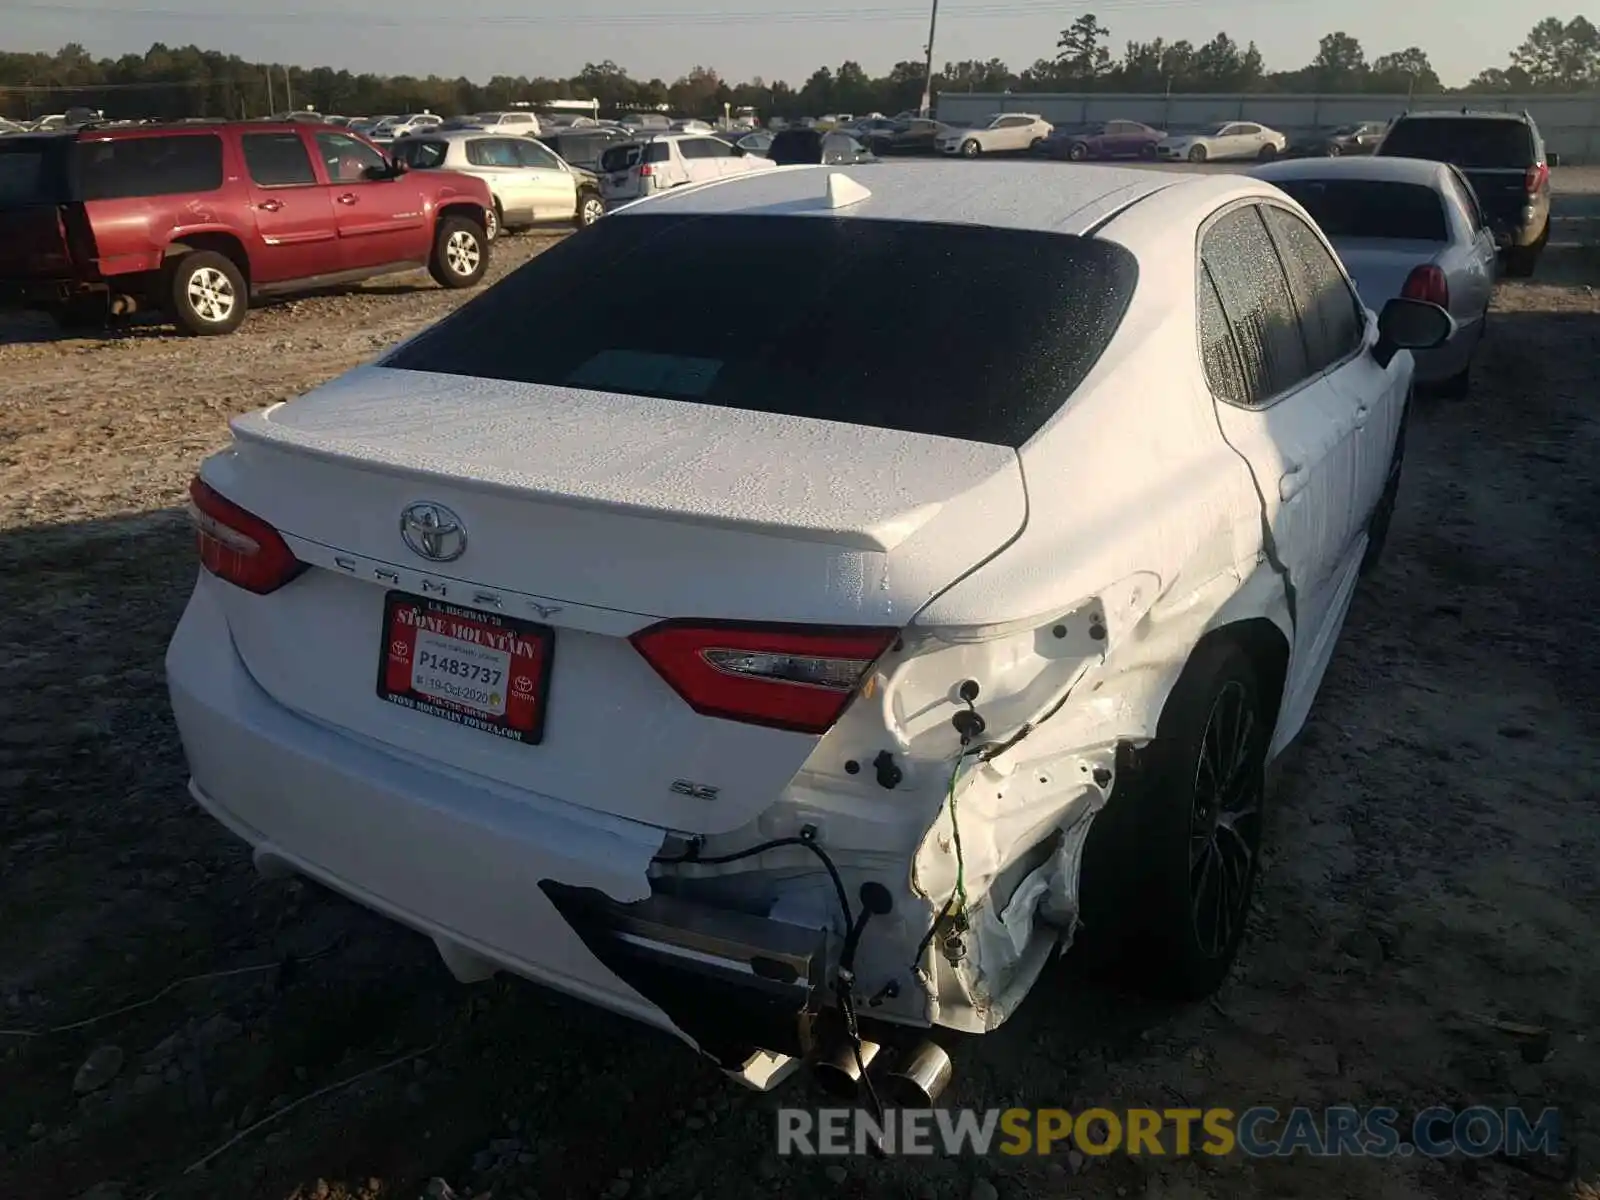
(1570,124)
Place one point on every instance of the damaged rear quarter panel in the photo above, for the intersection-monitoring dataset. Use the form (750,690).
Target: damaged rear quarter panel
(1149,540)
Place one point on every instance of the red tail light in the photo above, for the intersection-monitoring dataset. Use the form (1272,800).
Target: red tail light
(1427,283)
(1538,175)
(797,677)
(239,546)
(646,170)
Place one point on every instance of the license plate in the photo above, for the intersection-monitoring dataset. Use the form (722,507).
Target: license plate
(478,669)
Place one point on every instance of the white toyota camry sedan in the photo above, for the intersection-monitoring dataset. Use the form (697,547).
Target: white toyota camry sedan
(617,632)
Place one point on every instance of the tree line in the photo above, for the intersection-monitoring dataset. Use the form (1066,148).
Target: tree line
(188,81)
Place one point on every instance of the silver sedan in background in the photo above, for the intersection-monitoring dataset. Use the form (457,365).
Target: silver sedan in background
(1404,227)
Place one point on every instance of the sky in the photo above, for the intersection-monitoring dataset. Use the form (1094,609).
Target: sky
(774,39)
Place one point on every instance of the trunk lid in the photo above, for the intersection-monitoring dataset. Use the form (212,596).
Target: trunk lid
(1380,266)
(596,515)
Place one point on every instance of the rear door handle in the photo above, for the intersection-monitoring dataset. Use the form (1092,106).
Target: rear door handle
(348,198)
(270,205)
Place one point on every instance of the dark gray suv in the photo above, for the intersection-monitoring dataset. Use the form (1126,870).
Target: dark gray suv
(1503,157)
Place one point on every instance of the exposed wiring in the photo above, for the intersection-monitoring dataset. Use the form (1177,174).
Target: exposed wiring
(957,901)
(693,855)
(283,964)
(844,977)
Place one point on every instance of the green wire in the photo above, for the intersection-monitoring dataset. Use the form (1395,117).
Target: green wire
(955,829)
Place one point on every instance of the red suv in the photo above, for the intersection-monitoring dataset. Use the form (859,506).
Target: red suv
(195,219)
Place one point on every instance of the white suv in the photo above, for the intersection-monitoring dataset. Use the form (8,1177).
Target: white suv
(633,170)
(995,134)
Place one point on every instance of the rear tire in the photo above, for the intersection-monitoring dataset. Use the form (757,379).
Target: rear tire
(207,295)
(1197,154)
(494,222)
(1170,863)
(970,148)
(590,209)
(1036,145)
(1267,153)
(460,253)
(1147,152)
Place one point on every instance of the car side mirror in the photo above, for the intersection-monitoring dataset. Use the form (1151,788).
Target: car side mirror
(1410,325)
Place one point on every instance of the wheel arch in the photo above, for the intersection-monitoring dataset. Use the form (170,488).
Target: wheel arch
(218,241)
(466,209)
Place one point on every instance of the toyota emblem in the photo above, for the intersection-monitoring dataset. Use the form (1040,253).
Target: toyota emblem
(433,531)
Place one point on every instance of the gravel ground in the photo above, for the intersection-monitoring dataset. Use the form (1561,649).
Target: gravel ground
(1431,870)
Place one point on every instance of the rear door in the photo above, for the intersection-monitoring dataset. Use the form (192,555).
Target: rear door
(1012,133)
(293,209)
(1284,415)
(553,190)
(498,162)
(701,161)
(381,221)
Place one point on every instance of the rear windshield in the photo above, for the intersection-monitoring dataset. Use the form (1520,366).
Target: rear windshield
(1363,208)
(1463,141)
(959,331)
(29,172)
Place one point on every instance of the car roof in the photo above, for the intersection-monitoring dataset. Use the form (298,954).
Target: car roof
(1375,170)
(462,135)
(1016,195)
(1467,113)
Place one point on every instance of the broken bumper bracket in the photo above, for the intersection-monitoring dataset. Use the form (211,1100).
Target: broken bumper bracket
(733,982)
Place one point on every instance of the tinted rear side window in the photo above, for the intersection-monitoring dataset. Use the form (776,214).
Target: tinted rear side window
(806,316)
(277,159)
(30,172)
(1358,208)
(1468,143)
(121,168)
(794,146)
(620,158)
(421,154)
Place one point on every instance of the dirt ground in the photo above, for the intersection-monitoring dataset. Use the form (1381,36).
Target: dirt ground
(1431,872)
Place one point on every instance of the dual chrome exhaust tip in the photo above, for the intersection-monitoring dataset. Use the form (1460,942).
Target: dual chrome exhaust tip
(917,1079)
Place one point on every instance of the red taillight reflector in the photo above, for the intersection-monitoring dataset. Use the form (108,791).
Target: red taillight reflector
(797,677)
(239,546)
(1537,176)
(646,170)
(1427,283)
